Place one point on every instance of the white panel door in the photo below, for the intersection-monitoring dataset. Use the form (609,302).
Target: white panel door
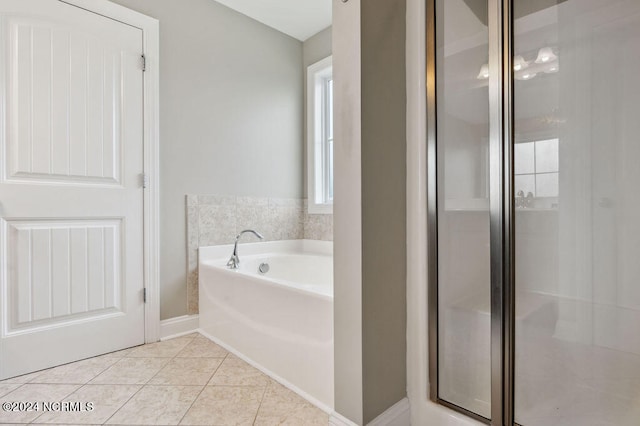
(71,196)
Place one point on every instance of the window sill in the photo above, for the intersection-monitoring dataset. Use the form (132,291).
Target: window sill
(320,209)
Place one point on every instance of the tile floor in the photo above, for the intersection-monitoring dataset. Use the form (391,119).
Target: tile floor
(187,381)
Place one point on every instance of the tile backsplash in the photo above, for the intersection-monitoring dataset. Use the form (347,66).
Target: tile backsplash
(217,219)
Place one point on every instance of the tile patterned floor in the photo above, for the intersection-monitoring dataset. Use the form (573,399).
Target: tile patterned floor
(183,381)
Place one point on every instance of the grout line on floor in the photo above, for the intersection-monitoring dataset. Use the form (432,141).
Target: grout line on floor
(191,405)
(123,404)
(200,393)
(158,372)
(13,390)
(61,399)
(35,380)
(135,357)
(264,393)
(234,386)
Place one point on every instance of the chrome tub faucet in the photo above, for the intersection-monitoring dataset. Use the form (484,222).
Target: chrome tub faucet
(234,261)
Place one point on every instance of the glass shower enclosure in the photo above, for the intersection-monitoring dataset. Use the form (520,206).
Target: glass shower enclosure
(534,210)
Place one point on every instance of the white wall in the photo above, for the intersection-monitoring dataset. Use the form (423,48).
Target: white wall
(231,108)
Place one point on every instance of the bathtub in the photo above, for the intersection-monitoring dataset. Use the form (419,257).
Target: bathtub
(280,321)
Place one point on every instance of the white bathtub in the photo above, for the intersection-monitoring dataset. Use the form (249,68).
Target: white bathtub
(281,321)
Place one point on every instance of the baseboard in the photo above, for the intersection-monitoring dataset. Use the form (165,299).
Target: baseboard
(337,419)
(179,326)
(269,373)
(398,414)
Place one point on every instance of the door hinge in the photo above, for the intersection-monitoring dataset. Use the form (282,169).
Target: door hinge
(145,180)
(144,295)
(144,63)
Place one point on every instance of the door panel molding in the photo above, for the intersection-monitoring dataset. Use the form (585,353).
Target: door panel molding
(43,113)
(52,279)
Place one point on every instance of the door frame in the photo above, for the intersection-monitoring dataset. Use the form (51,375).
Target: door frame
(501,212)
(151,80)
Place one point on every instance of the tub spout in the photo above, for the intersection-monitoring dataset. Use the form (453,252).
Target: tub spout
(234,261)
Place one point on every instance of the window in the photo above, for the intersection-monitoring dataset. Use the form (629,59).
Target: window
(320,136)
(536,168)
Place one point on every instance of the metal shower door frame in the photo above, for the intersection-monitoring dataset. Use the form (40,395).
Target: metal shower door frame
(501,210)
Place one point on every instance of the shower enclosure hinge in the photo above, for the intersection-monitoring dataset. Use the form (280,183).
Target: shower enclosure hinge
(144,295)
(144,63)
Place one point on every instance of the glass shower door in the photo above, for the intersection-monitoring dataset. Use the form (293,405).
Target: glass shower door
(463,279)
(577,212)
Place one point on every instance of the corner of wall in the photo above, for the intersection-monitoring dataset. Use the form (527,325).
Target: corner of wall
(384,204)
(417,349)
(347,211)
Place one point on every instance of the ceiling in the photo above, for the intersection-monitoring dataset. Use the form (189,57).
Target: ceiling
(298,18)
